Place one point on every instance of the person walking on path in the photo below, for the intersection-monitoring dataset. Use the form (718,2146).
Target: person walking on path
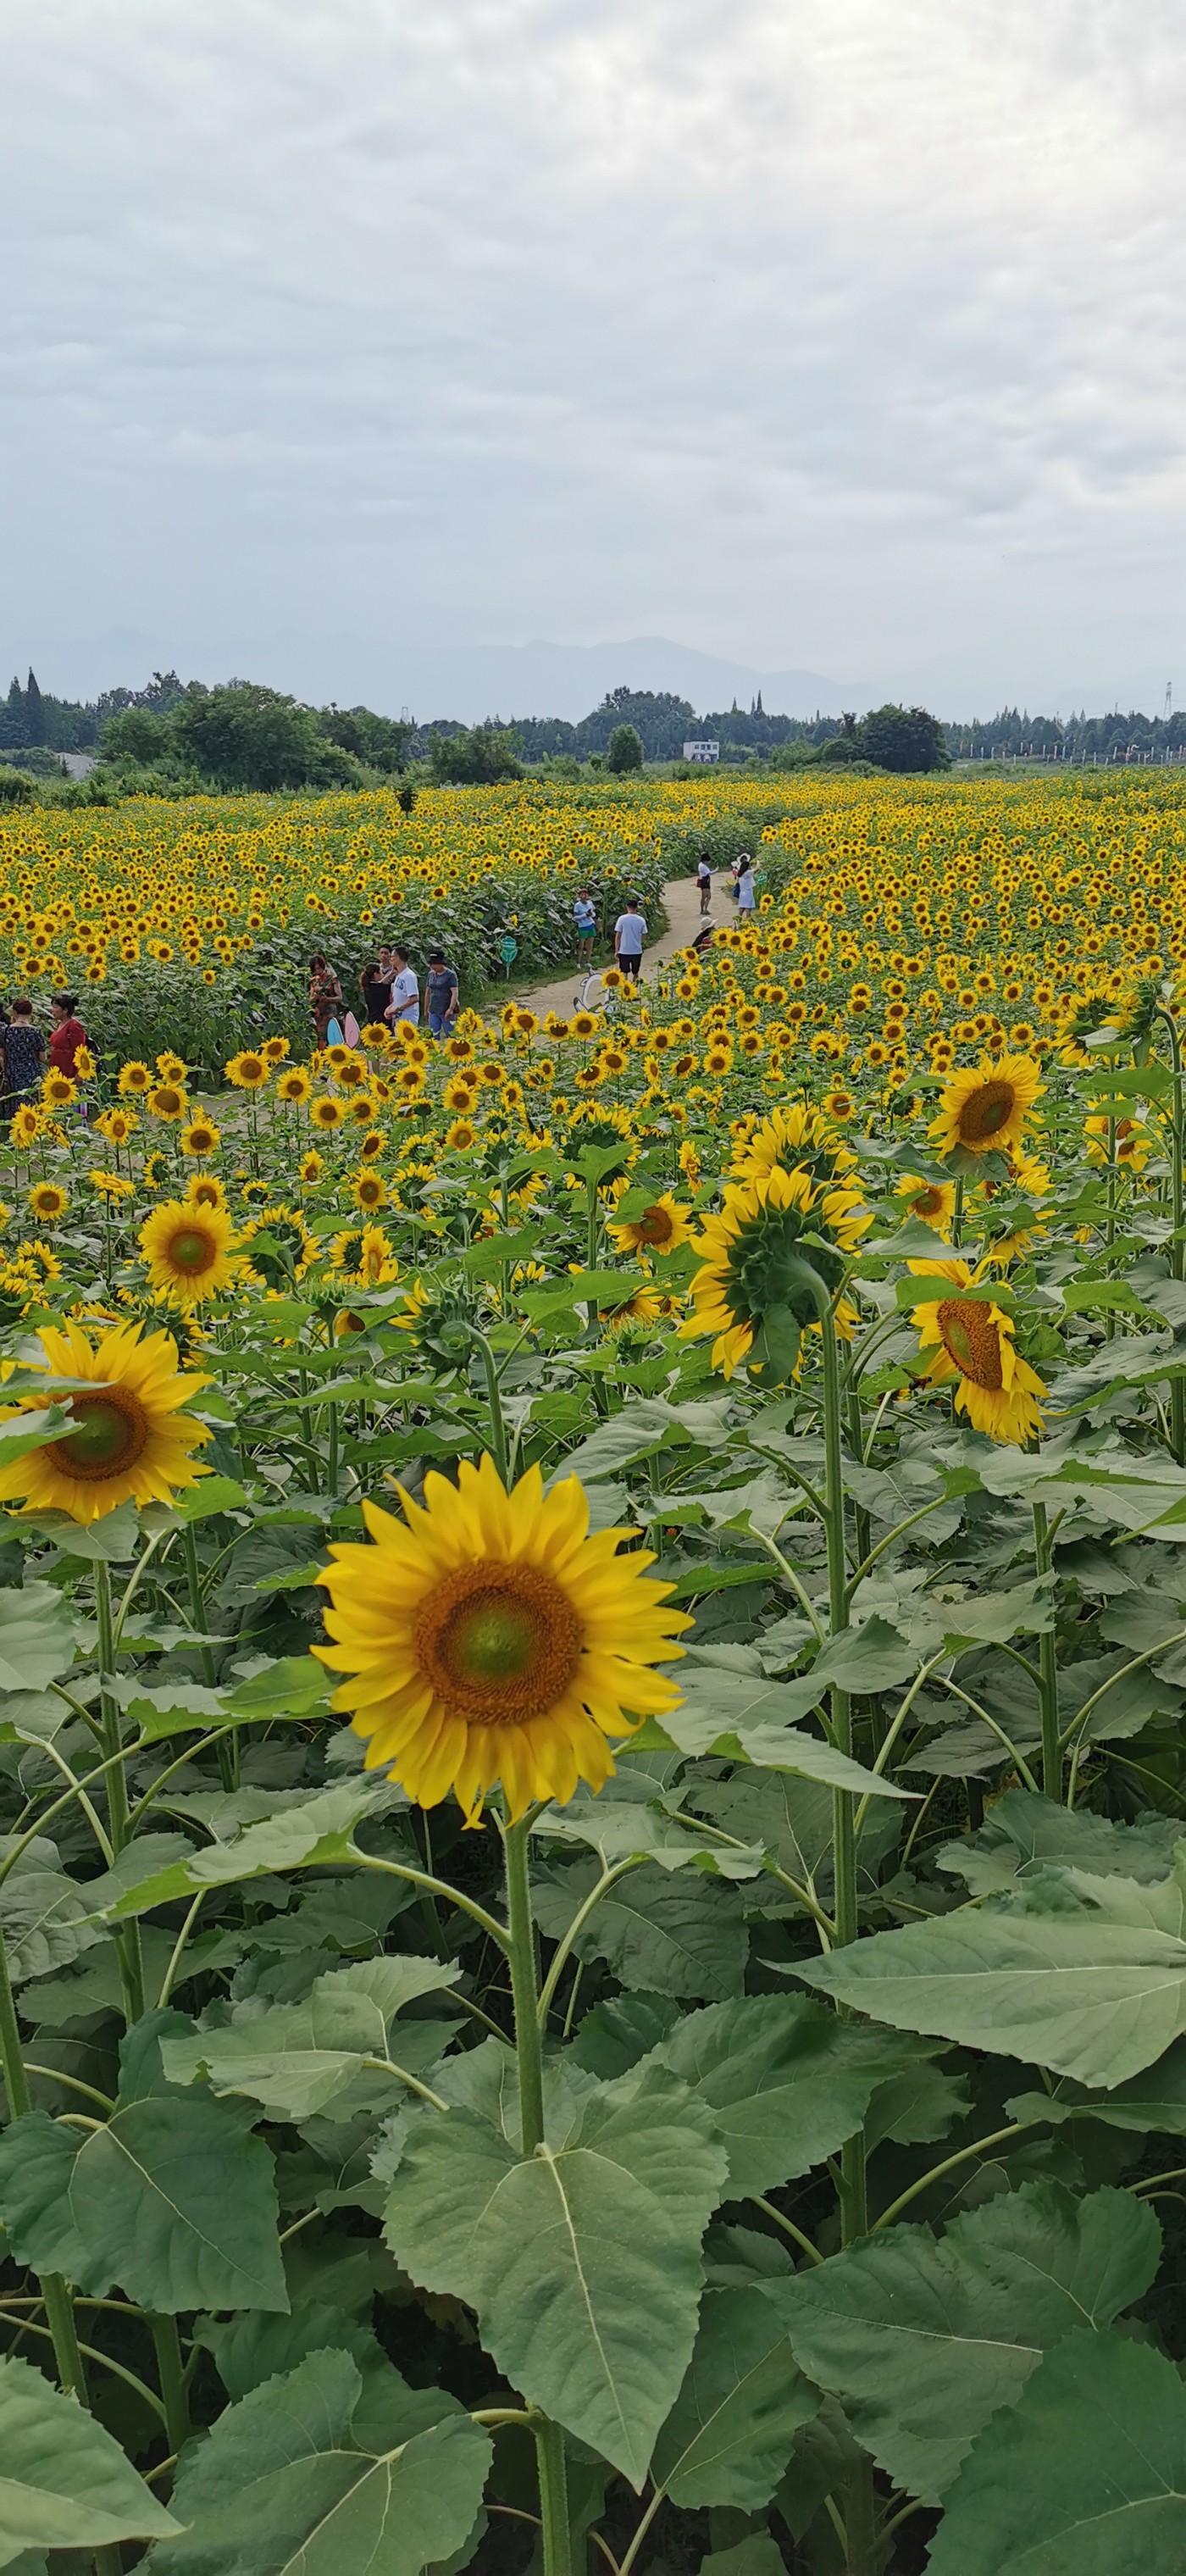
(375,986)
(405,991)
(704,881)
(325,997)
(24,1051)
(68,1034)
(584,913)
(630,933)
(746,896)
(441,993)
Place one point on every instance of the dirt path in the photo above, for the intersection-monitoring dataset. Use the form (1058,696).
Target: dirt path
(681,902)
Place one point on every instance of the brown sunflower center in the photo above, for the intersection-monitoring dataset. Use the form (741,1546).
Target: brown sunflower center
(986,1111)
(193,1250)
(111,1434)
(654,1226)
(972,1340)
(500,1643)
(929,1202)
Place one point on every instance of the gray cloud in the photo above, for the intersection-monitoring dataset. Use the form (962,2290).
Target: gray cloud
(807,332)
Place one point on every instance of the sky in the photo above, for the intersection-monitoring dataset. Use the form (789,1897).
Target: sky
(360,347)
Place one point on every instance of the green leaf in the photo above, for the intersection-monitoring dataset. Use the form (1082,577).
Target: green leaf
(728,2437)
(756,2555)
(296,2058)
(786,2082)
(211,1494)
(1091,1999)
(1025,1832)
(36,1637)
(64,2483)
(44,1916)
(582,2262)
(308,1836)
(1088,2478)
(658,1932)
(172,2199)
(924,2339)
(1155,2099)
(283,2485)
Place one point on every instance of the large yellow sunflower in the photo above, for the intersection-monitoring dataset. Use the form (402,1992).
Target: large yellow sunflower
(185,1244)
(492,1640)
(985,1107)
(662,1227)
(932,1201)
(794,1139)
(973,1341)
(754,1255)
(132,1439)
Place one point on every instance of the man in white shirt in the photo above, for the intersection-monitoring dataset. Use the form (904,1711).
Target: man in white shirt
(630,931)
(405,990)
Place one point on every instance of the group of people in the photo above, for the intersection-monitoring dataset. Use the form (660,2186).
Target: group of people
(22,1046)
(390,990)
(630,933)
(742,872)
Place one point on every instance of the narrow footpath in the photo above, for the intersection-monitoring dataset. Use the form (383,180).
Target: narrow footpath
(681,903)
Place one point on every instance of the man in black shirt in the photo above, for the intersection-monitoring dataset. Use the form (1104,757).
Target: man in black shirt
(375,985)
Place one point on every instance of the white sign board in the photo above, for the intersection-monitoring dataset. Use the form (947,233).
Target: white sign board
(702,751)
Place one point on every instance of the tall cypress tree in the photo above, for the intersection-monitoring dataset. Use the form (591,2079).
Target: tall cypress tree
(12,723)
(35,725)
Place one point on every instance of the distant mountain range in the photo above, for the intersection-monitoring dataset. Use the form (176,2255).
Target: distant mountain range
(472,681)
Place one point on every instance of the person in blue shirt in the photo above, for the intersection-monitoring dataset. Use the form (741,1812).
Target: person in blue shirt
(584,913)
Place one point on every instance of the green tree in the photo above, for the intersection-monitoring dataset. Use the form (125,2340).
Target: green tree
(625,749)
(903,739)
(381,741)
(136,735)
(245,735)
(478,759)
(35,729)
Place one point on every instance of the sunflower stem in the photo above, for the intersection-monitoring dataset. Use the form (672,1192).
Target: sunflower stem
(549,2439)
(228,1746)
(131,1967)
(1048,1672)
(498,1429)
(59,2306)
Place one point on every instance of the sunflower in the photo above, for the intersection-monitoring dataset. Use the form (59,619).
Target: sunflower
(58,1091)
(973,1341)
(661,1227)
(794,1139)
(25,1126)
(327,1112)
(48,1201)
(294,1084)
(206,1191)
(166,1100)
(248,1071)
(200,1137)
(131,1440)
(112,1185)
(369,1191)
(185,1247)
(985,1107)
(932,1201)
(755,1253)
(134,1078)
(116,1125)
(274,1050)
(493,1641)
(311,1168)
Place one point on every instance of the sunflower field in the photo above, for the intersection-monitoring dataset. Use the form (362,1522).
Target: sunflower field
(593,1750)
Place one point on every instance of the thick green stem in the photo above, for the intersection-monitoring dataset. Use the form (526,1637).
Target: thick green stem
(228,1748)
(549,2439)
(498,1429)
(59,2307)
(1047,1672)
(171,2375)
(131,1967)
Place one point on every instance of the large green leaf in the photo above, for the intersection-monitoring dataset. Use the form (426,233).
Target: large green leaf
(296,2058)
(669,1935)
(64,2483)
(172,2198)
(583,2262)
(1088,1998)
(286,2484)
(923,2339)
(1155,2099)
(36,1637)
(313,1834)
(1025,1832)
(786,2081)
(728,2437)
(44,1915)
(1088,2478)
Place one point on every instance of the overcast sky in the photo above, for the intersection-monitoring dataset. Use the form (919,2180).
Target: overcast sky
(843,336)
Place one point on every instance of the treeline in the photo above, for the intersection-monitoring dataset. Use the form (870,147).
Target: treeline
(1014,734)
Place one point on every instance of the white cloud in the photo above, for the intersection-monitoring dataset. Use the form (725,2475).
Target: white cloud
(810,332)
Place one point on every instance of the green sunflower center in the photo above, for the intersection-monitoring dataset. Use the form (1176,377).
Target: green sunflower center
(499,1643)
(111,1434)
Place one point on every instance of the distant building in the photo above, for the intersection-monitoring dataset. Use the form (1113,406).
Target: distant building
(702,751)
